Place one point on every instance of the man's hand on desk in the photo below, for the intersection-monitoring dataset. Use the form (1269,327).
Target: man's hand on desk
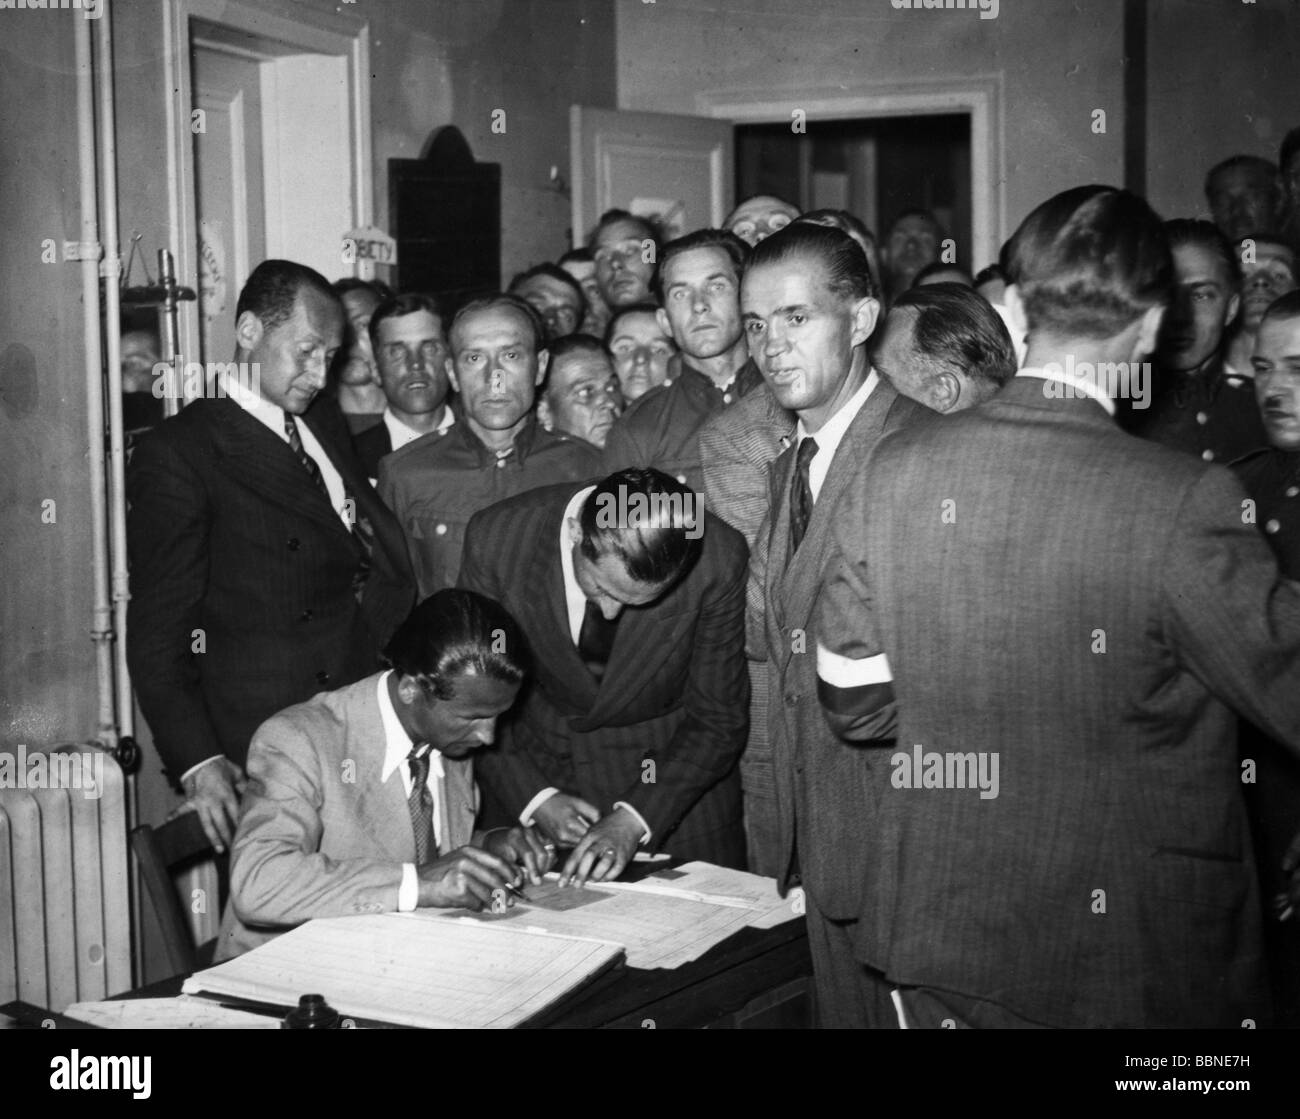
(464,878)
(521,847)
(212,790)
(565,819)
(605,850)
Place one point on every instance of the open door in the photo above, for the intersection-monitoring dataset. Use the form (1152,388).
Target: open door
(676,169)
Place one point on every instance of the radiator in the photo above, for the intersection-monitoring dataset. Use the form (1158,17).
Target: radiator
(64,896)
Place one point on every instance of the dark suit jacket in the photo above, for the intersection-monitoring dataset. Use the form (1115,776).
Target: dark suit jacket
(673,694)
(1088,609)
(228,535)
(371,445)
(319,834)
(821,783)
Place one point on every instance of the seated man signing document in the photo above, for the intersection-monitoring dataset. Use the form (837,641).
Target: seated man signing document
(362,800)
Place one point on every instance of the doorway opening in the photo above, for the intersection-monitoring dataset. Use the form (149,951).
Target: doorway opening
(876,168)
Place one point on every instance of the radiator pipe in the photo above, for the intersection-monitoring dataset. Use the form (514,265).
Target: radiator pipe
(111,271)
(87,252)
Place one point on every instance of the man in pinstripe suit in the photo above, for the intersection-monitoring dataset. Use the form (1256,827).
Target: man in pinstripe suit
(263,566)
(810,306)
(1078,612)
(630,730)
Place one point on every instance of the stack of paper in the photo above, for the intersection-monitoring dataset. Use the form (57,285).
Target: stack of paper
(400,968)
(182,1013)
(663,921)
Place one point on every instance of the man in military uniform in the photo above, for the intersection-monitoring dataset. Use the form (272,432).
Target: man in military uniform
(436,484)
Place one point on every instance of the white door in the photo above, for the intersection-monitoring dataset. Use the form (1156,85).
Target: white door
(229,189)
(677,169)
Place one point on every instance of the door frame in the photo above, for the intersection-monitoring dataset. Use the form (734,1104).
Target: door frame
(316,32)
(979,96)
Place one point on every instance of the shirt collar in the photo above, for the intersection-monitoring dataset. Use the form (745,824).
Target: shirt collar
(1082,386)
(272,415)
(832,431)
(519,449)
(397,743)
(400,433)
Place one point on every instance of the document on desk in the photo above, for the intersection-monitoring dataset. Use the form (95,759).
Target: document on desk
(657,930)
(403,969)
(183,1013)
(720,885)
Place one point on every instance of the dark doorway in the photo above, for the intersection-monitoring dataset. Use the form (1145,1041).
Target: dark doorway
(874,168)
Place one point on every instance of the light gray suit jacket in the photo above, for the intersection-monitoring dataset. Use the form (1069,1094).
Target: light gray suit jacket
(821,782)
(319,835)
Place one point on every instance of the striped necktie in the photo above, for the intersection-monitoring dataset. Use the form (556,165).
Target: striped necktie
(801,498)
(309,464)
(420,805)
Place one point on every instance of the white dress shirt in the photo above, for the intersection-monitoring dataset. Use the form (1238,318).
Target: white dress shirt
(397,749)
(575,602)
(832,432)
(399,434)
(273,416)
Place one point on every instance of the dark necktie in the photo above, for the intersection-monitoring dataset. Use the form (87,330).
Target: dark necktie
(420,803)
(308,463)
(596,639)
(801,498)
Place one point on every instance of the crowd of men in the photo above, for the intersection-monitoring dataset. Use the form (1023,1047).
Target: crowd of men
(962,603)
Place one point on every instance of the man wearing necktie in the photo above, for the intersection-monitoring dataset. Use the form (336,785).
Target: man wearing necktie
(363,800)
(809,306)
(264,568)
(633,609)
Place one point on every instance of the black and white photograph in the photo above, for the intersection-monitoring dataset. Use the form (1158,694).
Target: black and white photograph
(650,514)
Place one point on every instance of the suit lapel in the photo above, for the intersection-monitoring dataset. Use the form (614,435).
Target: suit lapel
(803,576)
(646,636)
(381,804)
(547,574)
(255,457)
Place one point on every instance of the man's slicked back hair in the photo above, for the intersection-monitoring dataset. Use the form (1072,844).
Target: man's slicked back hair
(956,326)
(731,246)
(665,541)
(1283,307)
(455,633)
(1089,261)
(847,273)
(1205,235)
(272,289)
(399,305)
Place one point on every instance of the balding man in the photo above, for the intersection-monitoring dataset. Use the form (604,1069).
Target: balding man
(434,485)
(945,347)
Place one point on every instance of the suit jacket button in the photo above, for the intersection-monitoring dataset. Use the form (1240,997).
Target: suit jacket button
(322,678)
(305,616)
(293,544)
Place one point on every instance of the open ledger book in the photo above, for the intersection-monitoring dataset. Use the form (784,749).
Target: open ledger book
(398,968)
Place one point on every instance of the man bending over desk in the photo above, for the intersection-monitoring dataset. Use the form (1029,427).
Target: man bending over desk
(363,800)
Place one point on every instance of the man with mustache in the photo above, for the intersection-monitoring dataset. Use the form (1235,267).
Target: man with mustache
(498,358)
(411,352)
(700,282)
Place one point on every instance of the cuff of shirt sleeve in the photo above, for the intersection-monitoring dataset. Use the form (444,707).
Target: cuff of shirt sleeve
(195,768)
(408,893)
(645,828)
(526,816)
